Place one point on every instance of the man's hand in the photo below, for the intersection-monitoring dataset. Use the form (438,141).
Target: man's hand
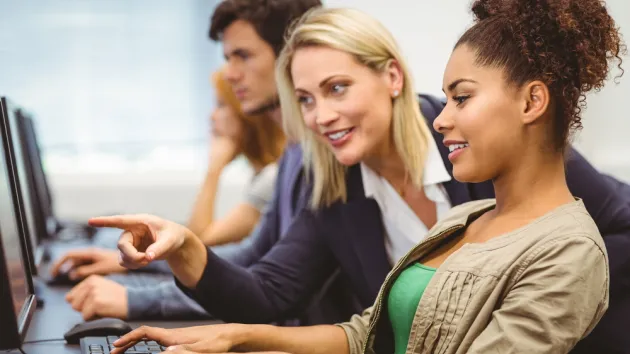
(85,262)
(97,297)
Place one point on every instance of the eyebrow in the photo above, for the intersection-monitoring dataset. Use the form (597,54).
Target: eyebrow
(322,83)
(454,84)
(236,52)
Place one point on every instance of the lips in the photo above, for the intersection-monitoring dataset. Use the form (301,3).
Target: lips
(455,148)
(240,93)
(339,137)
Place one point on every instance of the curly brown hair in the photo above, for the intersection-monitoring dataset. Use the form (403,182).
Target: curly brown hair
(567,44)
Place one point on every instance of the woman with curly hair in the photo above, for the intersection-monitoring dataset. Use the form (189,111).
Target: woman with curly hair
(526,271)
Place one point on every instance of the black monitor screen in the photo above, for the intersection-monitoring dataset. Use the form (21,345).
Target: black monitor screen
(16,288)
(22,182)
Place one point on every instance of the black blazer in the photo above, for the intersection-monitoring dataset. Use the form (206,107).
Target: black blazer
(350,237)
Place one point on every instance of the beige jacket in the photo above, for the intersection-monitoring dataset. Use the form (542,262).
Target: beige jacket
(538,289)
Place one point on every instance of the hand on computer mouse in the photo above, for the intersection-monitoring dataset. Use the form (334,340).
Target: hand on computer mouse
(97,297)
(145,238)
(85,262)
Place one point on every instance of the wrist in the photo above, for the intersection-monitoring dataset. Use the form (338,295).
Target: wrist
(214,170)
(189,260)
(241,337)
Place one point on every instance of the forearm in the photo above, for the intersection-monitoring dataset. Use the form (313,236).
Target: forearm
(295,340)
(189,261)
(203,211)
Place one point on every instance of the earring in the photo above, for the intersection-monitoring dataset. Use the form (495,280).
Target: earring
(396,93)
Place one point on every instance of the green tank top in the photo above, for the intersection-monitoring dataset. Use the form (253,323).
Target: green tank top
(403,300)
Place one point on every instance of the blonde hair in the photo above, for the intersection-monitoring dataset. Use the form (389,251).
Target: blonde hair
(371,44)
(263,140)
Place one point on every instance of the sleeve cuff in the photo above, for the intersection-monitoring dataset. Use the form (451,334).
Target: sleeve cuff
(143,302)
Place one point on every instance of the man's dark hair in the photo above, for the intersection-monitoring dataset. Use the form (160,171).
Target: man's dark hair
(270,18)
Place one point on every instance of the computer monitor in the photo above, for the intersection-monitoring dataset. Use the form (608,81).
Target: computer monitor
(42,199)
(17,301)
(22,186)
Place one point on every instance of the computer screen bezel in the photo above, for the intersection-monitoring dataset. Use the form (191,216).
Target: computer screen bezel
(40,181)
(20,321)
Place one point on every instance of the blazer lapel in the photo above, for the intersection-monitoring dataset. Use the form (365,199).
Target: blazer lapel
(359,222)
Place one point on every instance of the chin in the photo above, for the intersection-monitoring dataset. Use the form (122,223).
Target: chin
(466,174)
(247,105)
(347,159)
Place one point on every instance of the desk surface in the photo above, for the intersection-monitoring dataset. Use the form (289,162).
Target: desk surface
(57,316)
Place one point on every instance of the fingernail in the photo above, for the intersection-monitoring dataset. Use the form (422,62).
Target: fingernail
(151,255)
(116,341)
(171,348)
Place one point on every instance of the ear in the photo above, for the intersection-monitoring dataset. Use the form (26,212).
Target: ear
(536,100)
(394,77)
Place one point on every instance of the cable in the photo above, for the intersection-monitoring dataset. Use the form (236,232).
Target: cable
(44,340)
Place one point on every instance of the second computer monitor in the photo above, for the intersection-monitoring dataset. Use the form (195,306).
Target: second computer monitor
(44,213)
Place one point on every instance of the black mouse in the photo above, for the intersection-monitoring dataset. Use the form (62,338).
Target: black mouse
(61,279)
(97,328)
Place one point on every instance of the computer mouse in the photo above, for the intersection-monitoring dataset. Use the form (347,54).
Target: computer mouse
(97,328)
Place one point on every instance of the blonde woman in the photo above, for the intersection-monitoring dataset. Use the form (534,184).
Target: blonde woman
(491,275)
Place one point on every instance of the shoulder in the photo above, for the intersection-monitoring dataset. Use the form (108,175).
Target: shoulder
(569,223)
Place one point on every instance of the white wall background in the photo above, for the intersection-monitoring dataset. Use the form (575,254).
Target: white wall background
(426,32)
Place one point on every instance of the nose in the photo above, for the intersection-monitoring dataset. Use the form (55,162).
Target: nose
(325,115)
(444,121)
(232,72)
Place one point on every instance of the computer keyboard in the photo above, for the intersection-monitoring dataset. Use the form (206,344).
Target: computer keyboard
(103,345)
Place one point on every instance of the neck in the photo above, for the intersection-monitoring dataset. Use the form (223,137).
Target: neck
(532,191)
(388,164)
(257,167)
(276,115)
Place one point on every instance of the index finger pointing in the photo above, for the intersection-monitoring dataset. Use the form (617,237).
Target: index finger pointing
(117,221)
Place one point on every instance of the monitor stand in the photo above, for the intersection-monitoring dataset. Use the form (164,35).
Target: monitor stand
(38,289)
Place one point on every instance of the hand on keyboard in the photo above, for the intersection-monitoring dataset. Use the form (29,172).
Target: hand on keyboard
(203,339)
(99,297)
(103,345)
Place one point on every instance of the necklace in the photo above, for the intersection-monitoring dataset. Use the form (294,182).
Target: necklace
(401,190)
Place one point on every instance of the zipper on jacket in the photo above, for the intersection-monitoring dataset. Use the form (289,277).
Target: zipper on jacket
(401,264)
